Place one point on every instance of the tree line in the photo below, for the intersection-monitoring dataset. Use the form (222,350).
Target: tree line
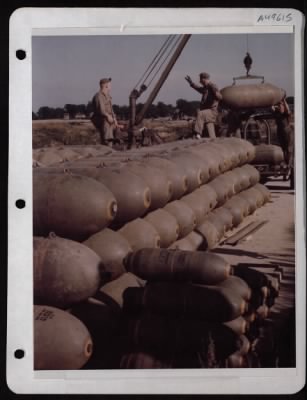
(159,110)
(183,108)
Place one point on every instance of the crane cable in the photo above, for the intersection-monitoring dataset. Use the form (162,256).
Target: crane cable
(165,59)
(156,60)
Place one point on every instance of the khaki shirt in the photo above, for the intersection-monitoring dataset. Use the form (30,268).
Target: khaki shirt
(102,104)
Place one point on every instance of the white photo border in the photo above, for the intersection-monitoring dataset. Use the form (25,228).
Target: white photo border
(28,22)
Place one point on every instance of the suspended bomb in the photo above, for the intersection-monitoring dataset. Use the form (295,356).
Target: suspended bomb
(252,95)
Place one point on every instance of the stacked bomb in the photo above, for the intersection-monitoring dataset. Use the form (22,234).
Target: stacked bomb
(192,312)
(141,203)
(178,319)
(65,273)
(172,309)
(154,199)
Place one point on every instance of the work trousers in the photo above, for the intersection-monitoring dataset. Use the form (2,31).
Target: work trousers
(105,130)
(286,138)
(205,118)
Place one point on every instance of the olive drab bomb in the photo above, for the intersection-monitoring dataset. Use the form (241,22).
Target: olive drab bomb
(141,278)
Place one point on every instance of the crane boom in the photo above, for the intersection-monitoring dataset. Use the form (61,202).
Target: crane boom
(137,119)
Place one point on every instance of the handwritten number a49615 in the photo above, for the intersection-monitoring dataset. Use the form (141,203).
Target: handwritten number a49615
(275,17)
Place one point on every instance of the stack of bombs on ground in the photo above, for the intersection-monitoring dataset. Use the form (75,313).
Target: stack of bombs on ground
(172,309)
(47,156)
(78,207)
(195,311)
(186,198)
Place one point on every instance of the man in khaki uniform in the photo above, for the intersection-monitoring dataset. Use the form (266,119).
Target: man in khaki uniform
(103,117)
(207,114)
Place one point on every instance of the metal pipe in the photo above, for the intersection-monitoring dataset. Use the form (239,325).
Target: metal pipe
(162,79)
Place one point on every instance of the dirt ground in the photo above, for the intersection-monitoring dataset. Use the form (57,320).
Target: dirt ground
(55,132)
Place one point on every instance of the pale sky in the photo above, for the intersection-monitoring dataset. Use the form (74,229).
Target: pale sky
(67,69)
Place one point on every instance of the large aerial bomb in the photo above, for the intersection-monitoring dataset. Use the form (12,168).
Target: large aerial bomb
(238,285)
(175,174)
(140,234)
(192,166)
(130,191)
(159,184)
(47,156)
(210,157)
(165,224)
(254,175)
(208,303)
(252,95)
(234,178)
(229,160)
(196,240)
(112,292)
(225,215)
(243,177)
(264,191)
(170,337)
(234,153)
(239,209)
(61,341)
(218,221)
(255,279)
(178,266)
(104,325)
(239,154)
(268,154)
(112,248)
(67,153)
(186,244)
(256,195)
(222,189)
(184,215)
(209,234)
(72,206)
(238,325)
(65,272)
(207,195)
(198,202)
(250,198)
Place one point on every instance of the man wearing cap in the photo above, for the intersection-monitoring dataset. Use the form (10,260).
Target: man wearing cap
(206,115)
(103,116)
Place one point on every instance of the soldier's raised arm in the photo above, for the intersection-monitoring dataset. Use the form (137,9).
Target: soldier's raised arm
(193,85)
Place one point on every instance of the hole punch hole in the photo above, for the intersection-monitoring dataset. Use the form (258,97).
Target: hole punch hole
(20,203)
(21,54)
(19,354)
